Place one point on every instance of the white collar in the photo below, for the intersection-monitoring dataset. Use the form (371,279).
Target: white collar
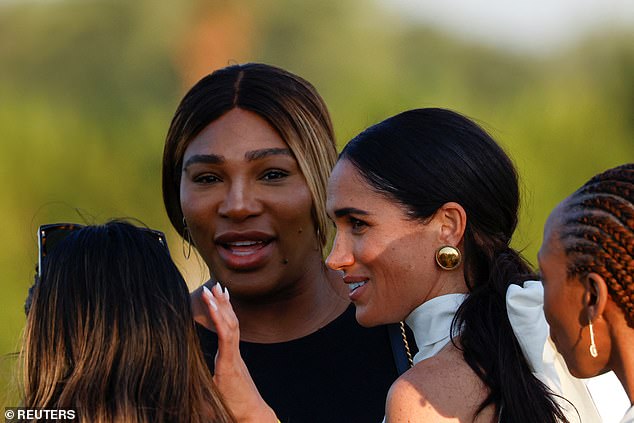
(629,416)
(431,323)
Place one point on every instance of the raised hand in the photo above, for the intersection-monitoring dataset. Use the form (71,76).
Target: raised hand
(231,375)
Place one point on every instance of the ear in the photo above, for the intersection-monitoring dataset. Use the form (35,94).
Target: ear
(452,220)
(596,295)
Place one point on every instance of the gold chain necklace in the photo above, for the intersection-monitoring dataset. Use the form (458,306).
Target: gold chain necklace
(407,351)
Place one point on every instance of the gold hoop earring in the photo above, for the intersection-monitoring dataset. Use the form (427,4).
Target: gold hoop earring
(448,257)
(593,347)
(318,240)
(187,238)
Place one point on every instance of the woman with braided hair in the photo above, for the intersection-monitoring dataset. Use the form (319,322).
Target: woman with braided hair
(587,265)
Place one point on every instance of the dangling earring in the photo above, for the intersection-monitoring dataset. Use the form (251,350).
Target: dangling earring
(593,346)
(448,257)
(187,238)
(318,239)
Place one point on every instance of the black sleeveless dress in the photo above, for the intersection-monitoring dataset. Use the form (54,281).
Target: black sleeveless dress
(340,373)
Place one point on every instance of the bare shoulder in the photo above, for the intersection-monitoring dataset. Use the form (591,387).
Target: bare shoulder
(441,388)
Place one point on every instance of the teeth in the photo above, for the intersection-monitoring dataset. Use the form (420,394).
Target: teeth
(244,248)
(243,243)
(356,285)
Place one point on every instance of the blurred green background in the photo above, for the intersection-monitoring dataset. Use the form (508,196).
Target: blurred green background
(87,90)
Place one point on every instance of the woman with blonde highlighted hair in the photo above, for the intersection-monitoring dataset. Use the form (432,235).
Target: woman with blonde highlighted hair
(110,335)
(245,167)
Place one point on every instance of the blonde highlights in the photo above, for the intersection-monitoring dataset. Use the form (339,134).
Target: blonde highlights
(110,334)
(290,104)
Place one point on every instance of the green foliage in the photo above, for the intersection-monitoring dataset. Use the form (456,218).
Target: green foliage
(87,89)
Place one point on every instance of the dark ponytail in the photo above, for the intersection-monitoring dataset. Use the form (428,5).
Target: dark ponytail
(489,344)
(425,158)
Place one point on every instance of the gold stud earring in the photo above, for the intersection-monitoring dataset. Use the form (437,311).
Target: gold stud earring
(448,257)
(593,347)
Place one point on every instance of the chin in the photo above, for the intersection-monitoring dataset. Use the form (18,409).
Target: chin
(581,373)
(368,320)
(578,370)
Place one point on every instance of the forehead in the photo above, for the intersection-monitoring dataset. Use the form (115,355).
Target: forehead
(551,245)
(347,188)
(234,133)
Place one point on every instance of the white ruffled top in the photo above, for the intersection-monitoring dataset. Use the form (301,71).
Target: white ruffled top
(431,324)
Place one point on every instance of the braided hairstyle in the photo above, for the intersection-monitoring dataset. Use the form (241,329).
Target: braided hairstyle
(598,233)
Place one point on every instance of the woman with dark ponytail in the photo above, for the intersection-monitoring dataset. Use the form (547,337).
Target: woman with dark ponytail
(587,265)
(425,204)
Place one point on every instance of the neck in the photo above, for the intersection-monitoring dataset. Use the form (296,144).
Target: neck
(310,303)
(623,346)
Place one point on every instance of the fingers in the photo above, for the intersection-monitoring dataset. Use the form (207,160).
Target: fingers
(228,358)
(221,313)
(231,375)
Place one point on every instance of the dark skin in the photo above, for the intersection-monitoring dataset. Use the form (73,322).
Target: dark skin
(282,319)
(249,211)
(570,303)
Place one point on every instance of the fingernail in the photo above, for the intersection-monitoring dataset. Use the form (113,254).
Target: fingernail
(226,293)
(213,304)
(218,288)
(207,292)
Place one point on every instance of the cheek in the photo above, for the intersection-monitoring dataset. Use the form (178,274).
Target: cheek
(193,203)
(293,217)
(548,308)
(397,277)
(295,206)
(554,315)
(197,213)
(295,227)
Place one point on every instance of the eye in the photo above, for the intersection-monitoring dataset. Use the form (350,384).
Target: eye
(274,174)
(206,178)
(357,225)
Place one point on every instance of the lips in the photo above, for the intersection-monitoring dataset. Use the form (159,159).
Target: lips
(355,284)
(245,251)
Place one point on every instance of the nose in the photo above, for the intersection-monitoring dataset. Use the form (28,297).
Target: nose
(240,202)
(340,256)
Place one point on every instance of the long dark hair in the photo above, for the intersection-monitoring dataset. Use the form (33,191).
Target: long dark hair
(110,333)
(425,158)
(598,233)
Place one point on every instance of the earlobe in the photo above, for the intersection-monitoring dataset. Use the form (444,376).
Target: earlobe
(596,296)
(453,222)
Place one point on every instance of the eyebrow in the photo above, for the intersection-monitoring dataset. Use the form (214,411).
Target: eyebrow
(203,158)
(249,156)
(350,210)
(265,152)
